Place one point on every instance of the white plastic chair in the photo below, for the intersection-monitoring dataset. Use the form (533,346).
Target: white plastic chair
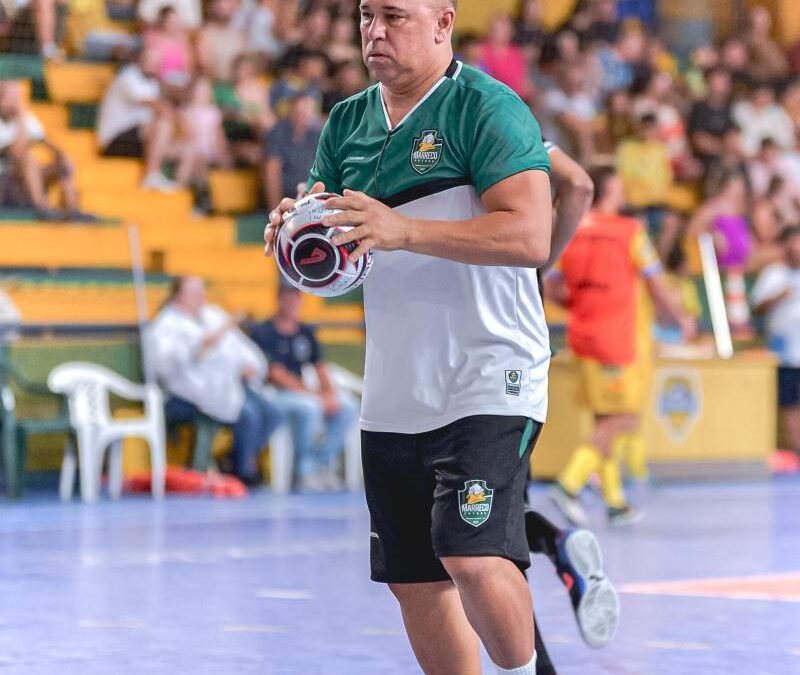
(87,387)
(281,447)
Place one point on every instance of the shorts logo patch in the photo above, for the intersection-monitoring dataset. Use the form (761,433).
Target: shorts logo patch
(513,379)
(426,151)
(475,502)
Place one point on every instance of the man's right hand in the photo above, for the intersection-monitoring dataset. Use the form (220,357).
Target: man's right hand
(276,217)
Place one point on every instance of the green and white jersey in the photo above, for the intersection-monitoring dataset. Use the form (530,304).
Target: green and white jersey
(445,340)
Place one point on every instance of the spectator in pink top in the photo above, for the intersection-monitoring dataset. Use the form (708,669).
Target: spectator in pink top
(170,40)
(504,60)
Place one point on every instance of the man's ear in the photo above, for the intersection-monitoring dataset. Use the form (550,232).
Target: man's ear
(444,26)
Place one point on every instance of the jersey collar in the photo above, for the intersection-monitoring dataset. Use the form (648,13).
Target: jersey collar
(452,73)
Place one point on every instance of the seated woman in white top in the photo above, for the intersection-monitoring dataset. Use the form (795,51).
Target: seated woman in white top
(207,365)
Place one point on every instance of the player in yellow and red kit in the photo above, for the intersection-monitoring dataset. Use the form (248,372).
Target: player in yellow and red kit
(604,279)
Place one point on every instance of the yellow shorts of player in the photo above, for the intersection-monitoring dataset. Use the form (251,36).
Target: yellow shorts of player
(613,390)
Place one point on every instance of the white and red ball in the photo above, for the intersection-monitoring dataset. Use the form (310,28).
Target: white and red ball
(306,256)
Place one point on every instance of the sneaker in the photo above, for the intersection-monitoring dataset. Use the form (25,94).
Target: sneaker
(158,181)
(624,516)
(594,599)
(569,505)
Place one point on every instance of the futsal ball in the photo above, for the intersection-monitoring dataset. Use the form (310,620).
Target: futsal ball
(306,256)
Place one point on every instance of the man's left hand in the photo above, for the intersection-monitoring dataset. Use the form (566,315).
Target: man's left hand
(375,225)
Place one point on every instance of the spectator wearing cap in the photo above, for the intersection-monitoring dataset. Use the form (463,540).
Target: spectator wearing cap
(291,147)
(319,416)
(776,295)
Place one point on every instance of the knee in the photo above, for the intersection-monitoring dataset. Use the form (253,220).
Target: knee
(470,571)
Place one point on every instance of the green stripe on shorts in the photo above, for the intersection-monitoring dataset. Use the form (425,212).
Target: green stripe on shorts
(526,438)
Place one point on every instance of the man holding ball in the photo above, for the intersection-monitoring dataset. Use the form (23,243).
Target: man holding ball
(444,177)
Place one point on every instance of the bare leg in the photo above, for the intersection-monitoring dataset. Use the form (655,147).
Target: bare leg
(497,602)
(45,17)
(31,174)
(608,427)
(158,141)
(440,635)
(790,421)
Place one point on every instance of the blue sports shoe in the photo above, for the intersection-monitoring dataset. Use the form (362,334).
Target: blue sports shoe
(594,599)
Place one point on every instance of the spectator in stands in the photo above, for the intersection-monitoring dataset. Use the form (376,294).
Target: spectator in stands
(597,21)
(760,117)
(731,160)
(348,79)
(92,35)
(528,28)
(678,281)
(220,42)
(204,143)
(303,71)
(341,47)
(169,40)
(206,365)
(245,106)
(20,133)
(470,51)
(734,59)
(258,20)
(777,296)
(767,62)
(290,149)
(135,122)
(617,123)
(568,114)
(504,60)
(623,63)
(659,99)
(190,12)
(725,217)
(710,119)
(37,27)
(319,416)
(646,172)
(767,227)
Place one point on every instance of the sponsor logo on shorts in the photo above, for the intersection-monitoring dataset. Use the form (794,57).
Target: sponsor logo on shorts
(475,502)
(513,379)
(426,151)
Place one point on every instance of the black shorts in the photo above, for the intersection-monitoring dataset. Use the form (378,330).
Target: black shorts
(127,144)
(788,387)
(454,491)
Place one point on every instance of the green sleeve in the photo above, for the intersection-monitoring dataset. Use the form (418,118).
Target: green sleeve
(507,141)
(326,164)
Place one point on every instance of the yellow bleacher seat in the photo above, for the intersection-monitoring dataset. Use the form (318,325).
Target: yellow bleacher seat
(63,245)
(77,82)
(233,191)
(53,116)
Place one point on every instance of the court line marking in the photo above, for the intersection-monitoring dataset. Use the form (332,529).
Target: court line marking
(679,646)
(120,624)
(284,594)
(724,587)
(254,628)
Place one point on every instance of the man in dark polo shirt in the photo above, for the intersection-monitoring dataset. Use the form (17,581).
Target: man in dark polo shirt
(319,417)
(711,119)
(291,146)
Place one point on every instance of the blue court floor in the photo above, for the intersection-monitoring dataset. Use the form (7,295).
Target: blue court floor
(710,584)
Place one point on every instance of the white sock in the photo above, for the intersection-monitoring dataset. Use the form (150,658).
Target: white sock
(529,669)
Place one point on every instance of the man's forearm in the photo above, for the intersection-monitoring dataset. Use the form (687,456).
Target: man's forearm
(502,238)
(574,202)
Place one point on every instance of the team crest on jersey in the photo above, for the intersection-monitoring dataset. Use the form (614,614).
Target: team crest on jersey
(426,151)
(513,378)
(475,502)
